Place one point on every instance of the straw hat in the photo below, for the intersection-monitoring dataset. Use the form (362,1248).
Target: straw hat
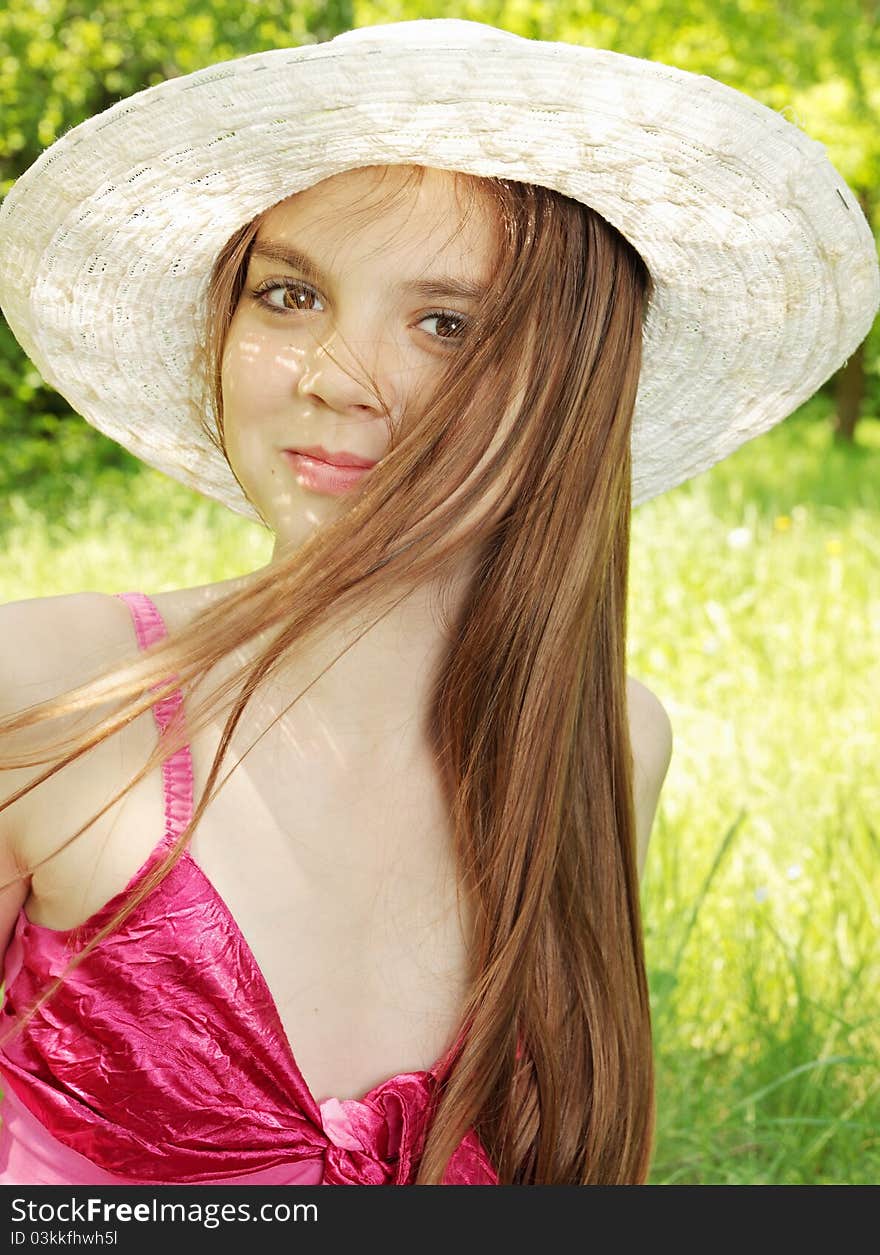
(765,271)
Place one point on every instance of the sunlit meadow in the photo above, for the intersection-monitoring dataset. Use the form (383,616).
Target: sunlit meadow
(755,616)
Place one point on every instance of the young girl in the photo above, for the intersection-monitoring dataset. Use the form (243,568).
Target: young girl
(437,305)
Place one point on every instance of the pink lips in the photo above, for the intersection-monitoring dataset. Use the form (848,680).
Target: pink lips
(335,459)
(325,477)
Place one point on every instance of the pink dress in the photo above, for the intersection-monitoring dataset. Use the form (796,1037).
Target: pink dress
(162,1059)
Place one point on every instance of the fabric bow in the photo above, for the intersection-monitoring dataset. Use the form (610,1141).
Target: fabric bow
(379,1139)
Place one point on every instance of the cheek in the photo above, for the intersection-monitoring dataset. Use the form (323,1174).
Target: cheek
(256,372)
(244,400)
(243,386)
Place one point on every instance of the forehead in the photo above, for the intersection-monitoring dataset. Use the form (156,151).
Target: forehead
(412,212)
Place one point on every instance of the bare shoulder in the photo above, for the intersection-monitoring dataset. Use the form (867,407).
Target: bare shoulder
(50,644)
(47,646)
(650,725)
(651,739)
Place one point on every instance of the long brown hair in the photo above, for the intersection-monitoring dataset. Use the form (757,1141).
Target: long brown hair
(528,717)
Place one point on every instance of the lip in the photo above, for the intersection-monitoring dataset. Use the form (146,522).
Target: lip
(324,477)
(342,458)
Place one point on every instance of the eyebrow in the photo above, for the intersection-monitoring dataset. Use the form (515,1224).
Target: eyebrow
(432,287)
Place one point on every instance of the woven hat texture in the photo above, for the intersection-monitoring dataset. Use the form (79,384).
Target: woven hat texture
(764,268)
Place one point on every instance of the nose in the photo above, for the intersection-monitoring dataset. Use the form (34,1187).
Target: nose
(335,373)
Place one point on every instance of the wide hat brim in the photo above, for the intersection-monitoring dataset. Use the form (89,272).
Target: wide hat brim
(765,274)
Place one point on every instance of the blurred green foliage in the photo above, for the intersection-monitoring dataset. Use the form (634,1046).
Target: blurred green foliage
(64,60)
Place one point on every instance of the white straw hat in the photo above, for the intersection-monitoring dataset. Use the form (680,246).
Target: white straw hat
(764,268)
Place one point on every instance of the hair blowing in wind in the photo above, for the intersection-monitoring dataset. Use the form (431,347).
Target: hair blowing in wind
(528,716)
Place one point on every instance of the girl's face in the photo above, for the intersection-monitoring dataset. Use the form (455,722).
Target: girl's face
(335,294)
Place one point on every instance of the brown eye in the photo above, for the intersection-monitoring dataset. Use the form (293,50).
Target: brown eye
(299,298)
(448,325)
(293,296)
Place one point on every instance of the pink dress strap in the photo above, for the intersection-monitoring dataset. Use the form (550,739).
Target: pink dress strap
(177,770)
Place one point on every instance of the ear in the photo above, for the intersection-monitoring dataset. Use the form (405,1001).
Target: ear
(651,739)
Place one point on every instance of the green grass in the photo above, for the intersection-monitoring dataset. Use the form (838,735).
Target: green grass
(121,532)
(755,616)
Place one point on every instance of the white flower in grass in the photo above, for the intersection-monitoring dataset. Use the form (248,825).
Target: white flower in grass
(739,538)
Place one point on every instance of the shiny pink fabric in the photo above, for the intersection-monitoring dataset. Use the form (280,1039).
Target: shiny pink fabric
(162,1058)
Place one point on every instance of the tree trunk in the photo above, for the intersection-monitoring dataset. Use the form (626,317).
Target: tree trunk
(848,394)
(849,382)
